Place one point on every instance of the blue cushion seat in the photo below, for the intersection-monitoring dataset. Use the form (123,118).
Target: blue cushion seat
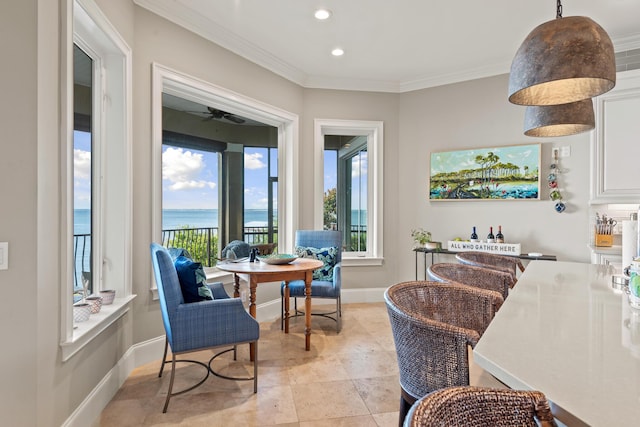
(326,246)
(200,325)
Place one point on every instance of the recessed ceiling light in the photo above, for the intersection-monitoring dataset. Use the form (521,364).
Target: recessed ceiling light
(322,14)
(337,52)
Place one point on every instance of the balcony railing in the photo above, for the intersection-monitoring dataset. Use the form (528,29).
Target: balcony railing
(201,243)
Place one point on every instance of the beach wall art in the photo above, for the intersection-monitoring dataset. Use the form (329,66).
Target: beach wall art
(496,173)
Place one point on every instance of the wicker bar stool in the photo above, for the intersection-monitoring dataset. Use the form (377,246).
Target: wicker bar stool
(505,263)
(480,277)
(478,406)
(433,325)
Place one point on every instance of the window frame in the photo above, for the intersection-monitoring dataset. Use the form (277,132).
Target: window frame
(111,177)
(176,83)
(374,131)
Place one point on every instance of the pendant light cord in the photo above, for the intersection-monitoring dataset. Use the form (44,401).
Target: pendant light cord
(558,9)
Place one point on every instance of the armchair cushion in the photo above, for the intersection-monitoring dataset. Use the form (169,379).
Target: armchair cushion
(193,281)
(329,256)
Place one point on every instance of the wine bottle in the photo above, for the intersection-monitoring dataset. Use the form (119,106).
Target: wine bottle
(490,237)
(474,236)
(499,236)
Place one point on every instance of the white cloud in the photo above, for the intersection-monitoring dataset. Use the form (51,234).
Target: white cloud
(253,161)
(191,185)
(182,168)
(81,164)
(359,165)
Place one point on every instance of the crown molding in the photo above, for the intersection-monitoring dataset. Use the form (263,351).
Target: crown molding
(196,23)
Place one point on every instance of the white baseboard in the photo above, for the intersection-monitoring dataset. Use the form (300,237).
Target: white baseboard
(95,402)
(150,350)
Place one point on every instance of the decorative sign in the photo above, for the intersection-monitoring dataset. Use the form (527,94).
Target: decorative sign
(493,248)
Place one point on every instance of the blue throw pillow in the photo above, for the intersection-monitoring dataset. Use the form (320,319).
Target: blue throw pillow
(328,256)
(192,280)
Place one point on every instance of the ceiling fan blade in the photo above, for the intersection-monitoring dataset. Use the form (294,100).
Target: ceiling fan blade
(234,119)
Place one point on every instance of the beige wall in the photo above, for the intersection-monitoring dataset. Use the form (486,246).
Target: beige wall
(18,175)
(477,114)
(36,387)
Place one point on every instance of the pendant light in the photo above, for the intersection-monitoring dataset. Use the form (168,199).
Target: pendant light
(562,61)
(559,120)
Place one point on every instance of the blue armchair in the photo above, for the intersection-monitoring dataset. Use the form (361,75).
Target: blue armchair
(319,288)
(222,321)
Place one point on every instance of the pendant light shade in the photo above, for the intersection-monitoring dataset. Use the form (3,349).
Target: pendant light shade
(559,120)
(561,61)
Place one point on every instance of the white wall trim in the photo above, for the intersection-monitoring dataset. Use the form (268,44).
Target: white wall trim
(151,350)
(95,402)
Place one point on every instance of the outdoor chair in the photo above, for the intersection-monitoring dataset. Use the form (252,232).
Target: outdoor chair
(433,324)
(325,245)
(505,263)
(480,277)
(479,407)
(264,248)
(196,326)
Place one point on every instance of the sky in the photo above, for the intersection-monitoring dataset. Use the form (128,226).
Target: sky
(190,177)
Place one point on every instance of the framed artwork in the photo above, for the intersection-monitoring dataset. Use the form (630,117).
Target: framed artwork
(496,173)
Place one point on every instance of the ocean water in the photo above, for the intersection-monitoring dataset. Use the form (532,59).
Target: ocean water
(196,218)
(178,218)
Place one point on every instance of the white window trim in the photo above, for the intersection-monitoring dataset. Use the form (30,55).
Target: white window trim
(374,131)
(87,25)
(179,84)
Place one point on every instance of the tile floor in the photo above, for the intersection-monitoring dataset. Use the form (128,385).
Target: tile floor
(347,379)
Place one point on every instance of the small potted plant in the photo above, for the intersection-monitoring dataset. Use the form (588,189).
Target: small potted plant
(422,238)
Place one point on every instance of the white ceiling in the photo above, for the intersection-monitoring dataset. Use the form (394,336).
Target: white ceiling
(390,45)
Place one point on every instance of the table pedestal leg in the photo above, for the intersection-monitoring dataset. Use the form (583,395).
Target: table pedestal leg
(286,307)
(236,285)
(307,310)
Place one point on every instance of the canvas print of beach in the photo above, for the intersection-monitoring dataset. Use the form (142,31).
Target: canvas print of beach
(497,173)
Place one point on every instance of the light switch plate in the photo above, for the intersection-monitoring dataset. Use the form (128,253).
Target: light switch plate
(4,255)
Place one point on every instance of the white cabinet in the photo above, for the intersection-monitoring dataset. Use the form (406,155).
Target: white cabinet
(607,256)
(615,144)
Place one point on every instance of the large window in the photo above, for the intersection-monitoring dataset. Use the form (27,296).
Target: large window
(83,173)
(219,178)
(255,146)
(348,192)
(96,172)
(345,189)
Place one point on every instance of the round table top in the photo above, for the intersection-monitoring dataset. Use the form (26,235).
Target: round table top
(246,267)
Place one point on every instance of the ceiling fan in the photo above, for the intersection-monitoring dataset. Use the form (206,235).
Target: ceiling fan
(214,113)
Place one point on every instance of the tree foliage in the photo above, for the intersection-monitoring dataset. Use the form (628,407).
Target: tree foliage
(330,213)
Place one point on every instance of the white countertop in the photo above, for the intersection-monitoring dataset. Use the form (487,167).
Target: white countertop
(564,331)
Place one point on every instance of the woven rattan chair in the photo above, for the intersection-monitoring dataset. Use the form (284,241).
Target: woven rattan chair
(471,275)
(433,325)
(505,263)
(477,406)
